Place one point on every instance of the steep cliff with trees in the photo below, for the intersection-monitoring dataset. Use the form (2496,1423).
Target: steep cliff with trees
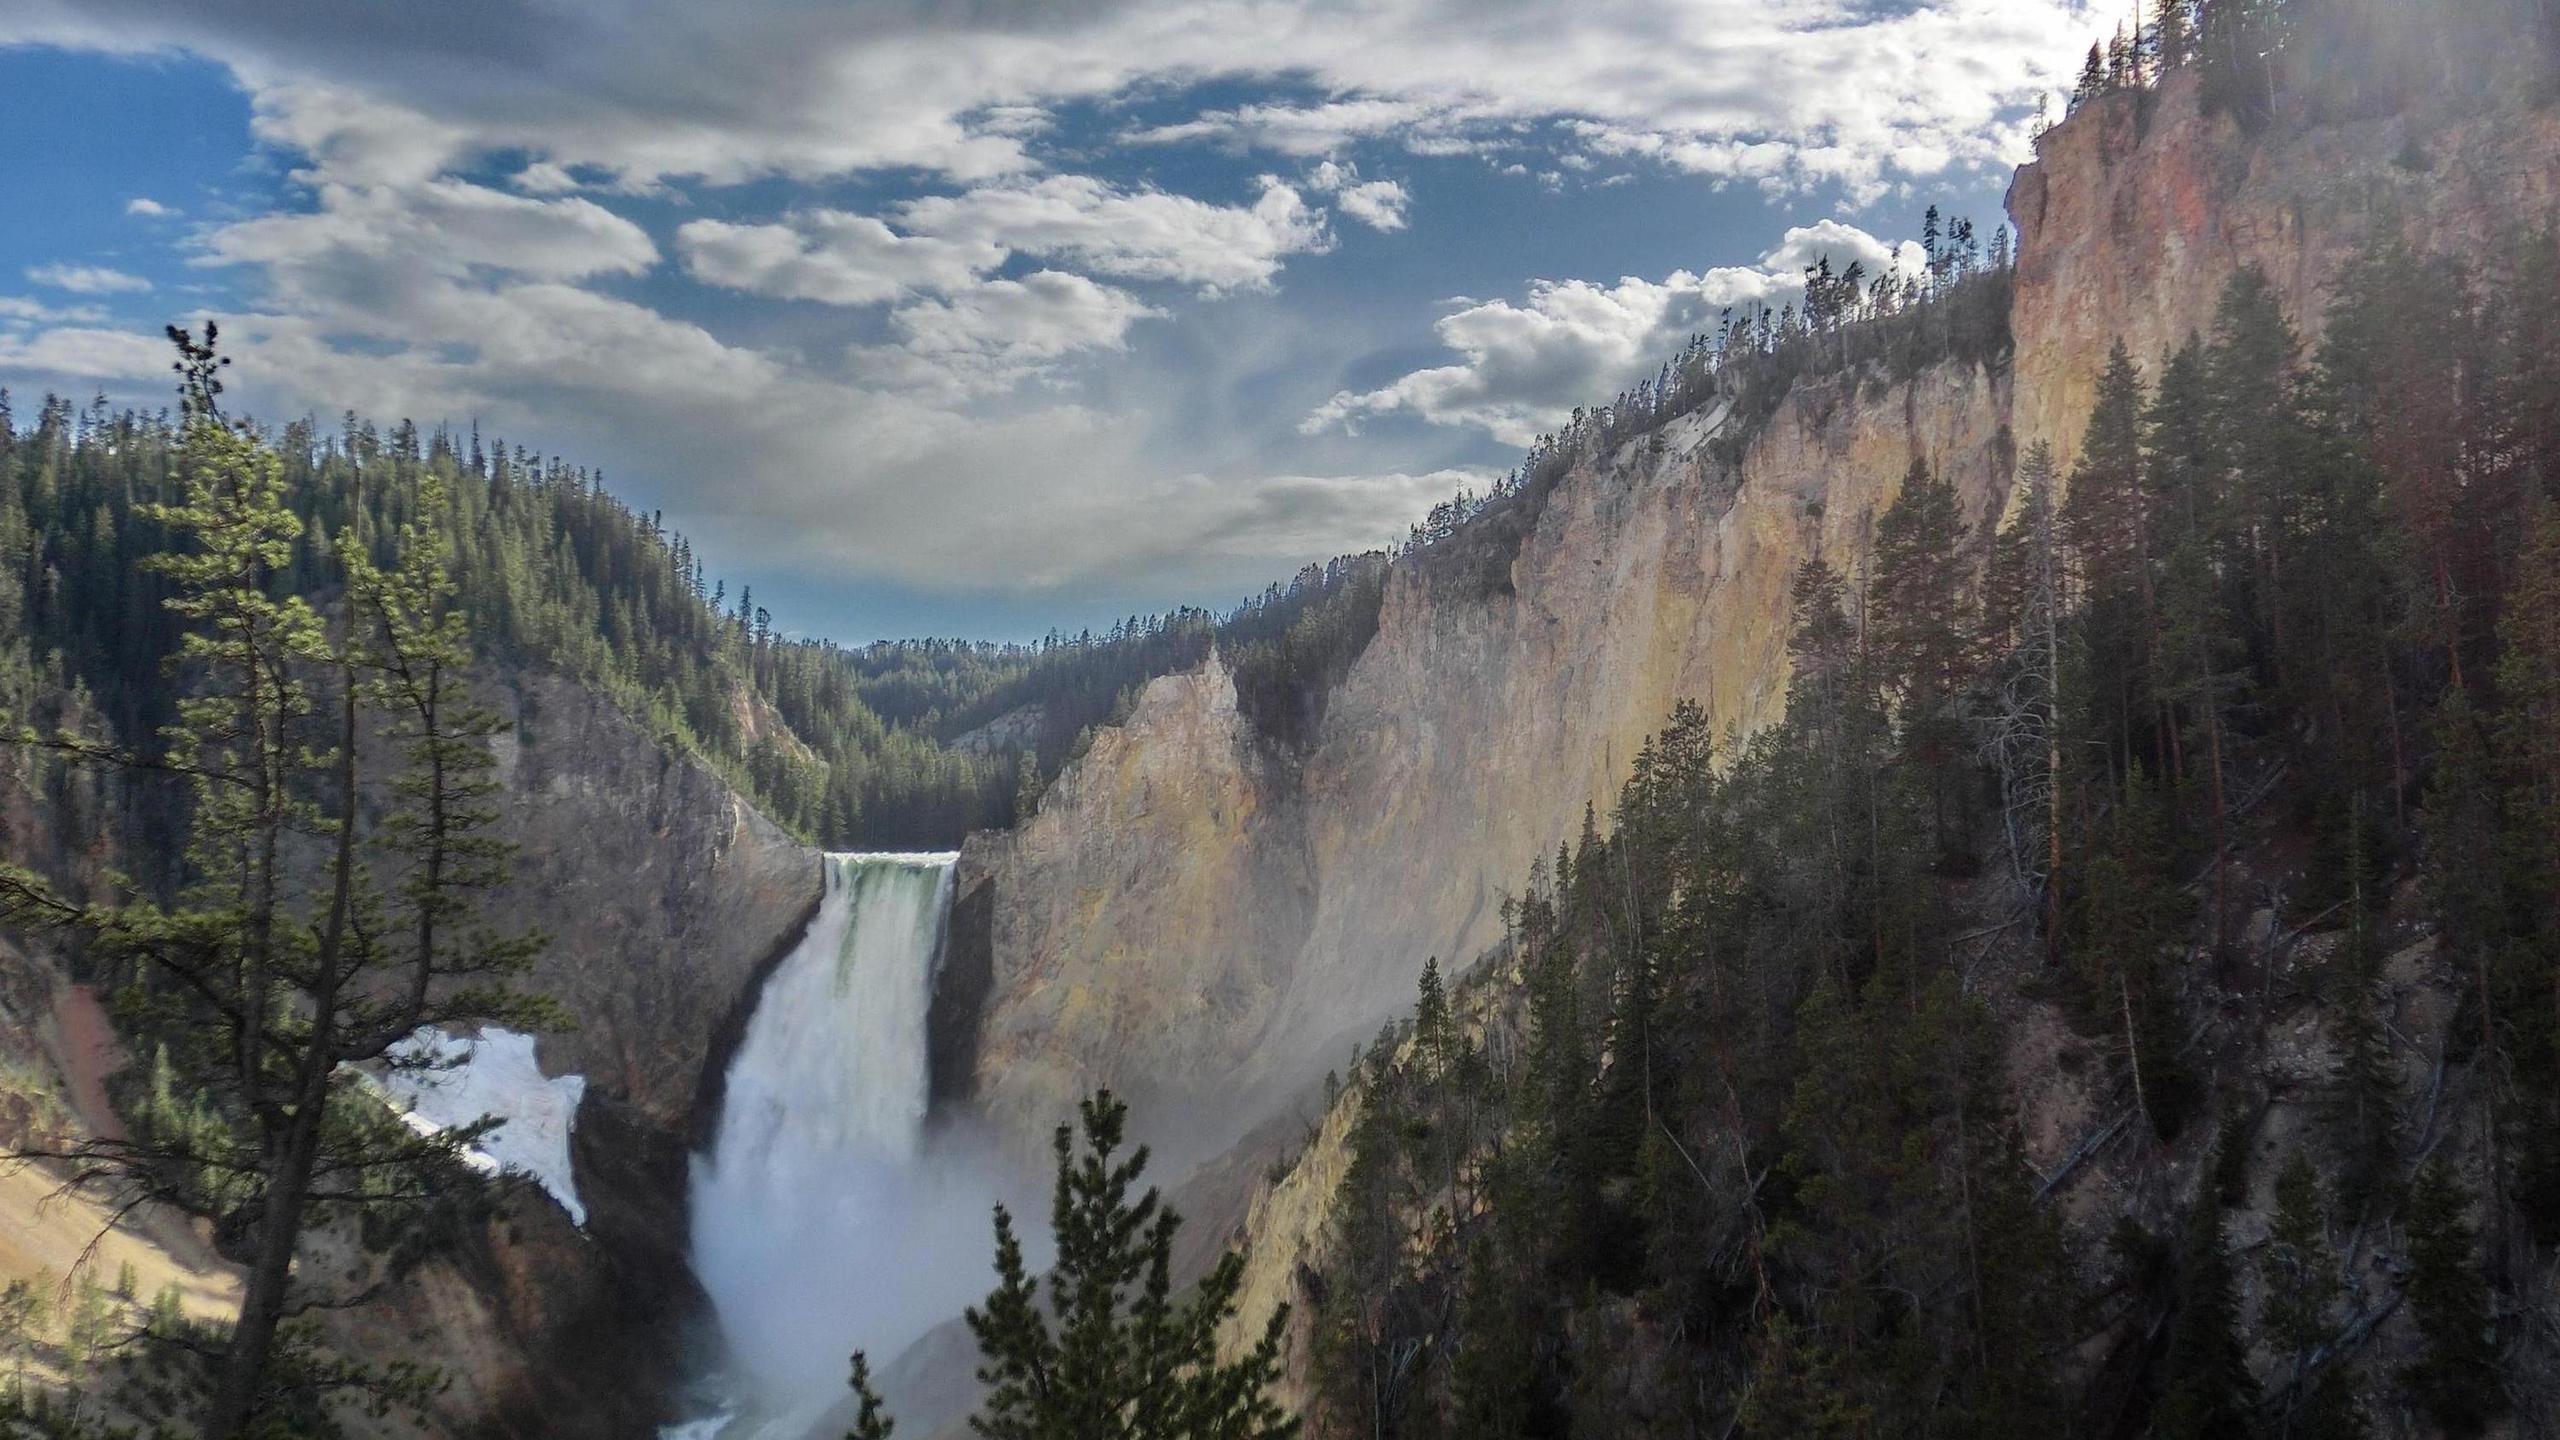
(2079,962)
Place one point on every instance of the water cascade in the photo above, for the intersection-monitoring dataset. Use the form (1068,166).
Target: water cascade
(823,1221)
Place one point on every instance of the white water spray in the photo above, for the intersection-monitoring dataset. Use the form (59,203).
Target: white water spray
(820,1223)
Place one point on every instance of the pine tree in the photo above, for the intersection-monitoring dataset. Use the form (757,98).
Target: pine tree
(2529,691)
(1493,1381)
(2299,1271)
(2258,446)
(1434,1034)
(2172,35)
(1918,598)
(276,1000)
(1797,1391)
(1111,1351)
(871,1420)
(2364,1109)
(2455,1378)
(2211,1394)
(2103,517)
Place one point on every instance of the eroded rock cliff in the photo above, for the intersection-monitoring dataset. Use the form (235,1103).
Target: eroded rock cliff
(664,893)
(1197,916)
(2136,212)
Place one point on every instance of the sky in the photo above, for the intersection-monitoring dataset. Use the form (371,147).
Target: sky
(978,317)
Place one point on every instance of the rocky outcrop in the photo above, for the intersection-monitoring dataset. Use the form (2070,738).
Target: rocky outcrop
(2136,213)
(664,893)
(1199,916)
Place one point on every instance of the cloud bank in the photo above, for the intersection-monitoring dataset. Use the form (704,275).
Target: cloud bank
(861,288)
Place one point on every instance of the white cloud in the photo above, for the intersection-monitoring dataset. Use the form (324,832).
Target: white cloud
(396,287)
(948,242)
(87,279)
(1131,234)
(21,310)
(1309,130)
(84,353)
(443,225)
(1378,204)
(990,338)
(545,177)
(831,256)
(663,90)
(147,208)
(1523,366)
(1041,316)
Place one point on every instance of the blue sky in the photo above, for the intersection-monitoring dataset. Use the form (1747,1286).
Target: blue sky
(978,319)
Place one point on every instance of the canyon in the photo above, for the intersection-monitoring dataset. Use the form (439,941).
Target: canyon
(1206,918)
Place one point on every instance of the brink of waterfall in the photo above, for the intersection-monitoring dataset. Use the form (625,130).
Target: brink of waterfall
(822,1221)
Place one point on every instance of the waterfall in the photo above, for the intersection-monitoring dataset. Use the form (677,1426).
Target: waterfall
(821,1222)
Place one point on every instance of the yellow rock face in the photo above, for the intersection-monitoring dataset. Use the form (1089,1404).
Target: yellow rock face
(2135,215)
(1205,922)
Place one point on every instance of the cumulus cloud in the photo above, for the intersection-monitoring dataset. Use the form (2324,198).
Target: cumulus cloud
(944,243)
(147,208)
(545,177)
(87,279)
(1378,204)
(84,354)
(831,256)
(992,337)
(1041,316)
(1327,128)
(660,90)
(402,280)
(1522,366)
(1142,234)
(444,225)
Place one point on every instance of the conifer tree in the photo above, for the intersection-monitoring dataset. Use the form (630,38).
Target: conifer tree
(871,1419)
(1922,630)
(275,995)
(1111,1351)
(1493,1384)
(2299,1271)
(1923,633)
(2455,1378)
(1434,1034)
(2211,1394)
(2103,518)
(2364,1109)
(2529,694)
(2257,441)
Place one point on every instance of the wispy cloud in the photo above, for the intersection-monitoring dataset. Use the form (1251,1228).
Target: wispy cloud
(87,279)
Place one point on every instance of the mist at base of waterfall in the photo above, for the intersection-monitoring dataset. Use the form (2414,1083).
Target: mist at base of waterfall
(827,1217)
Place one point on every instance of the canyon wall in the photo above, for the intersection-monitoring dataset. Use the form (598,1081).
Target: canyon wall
(1202,918)
(664,893)
(2137,211)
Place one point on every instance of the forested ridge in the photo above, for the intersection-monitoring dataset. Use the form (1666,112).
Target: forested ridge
(850,746)
(893,743)
(2218,783)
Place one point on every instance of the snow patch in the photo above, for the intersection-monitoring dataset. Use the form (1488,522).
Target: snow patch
(441,1081)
